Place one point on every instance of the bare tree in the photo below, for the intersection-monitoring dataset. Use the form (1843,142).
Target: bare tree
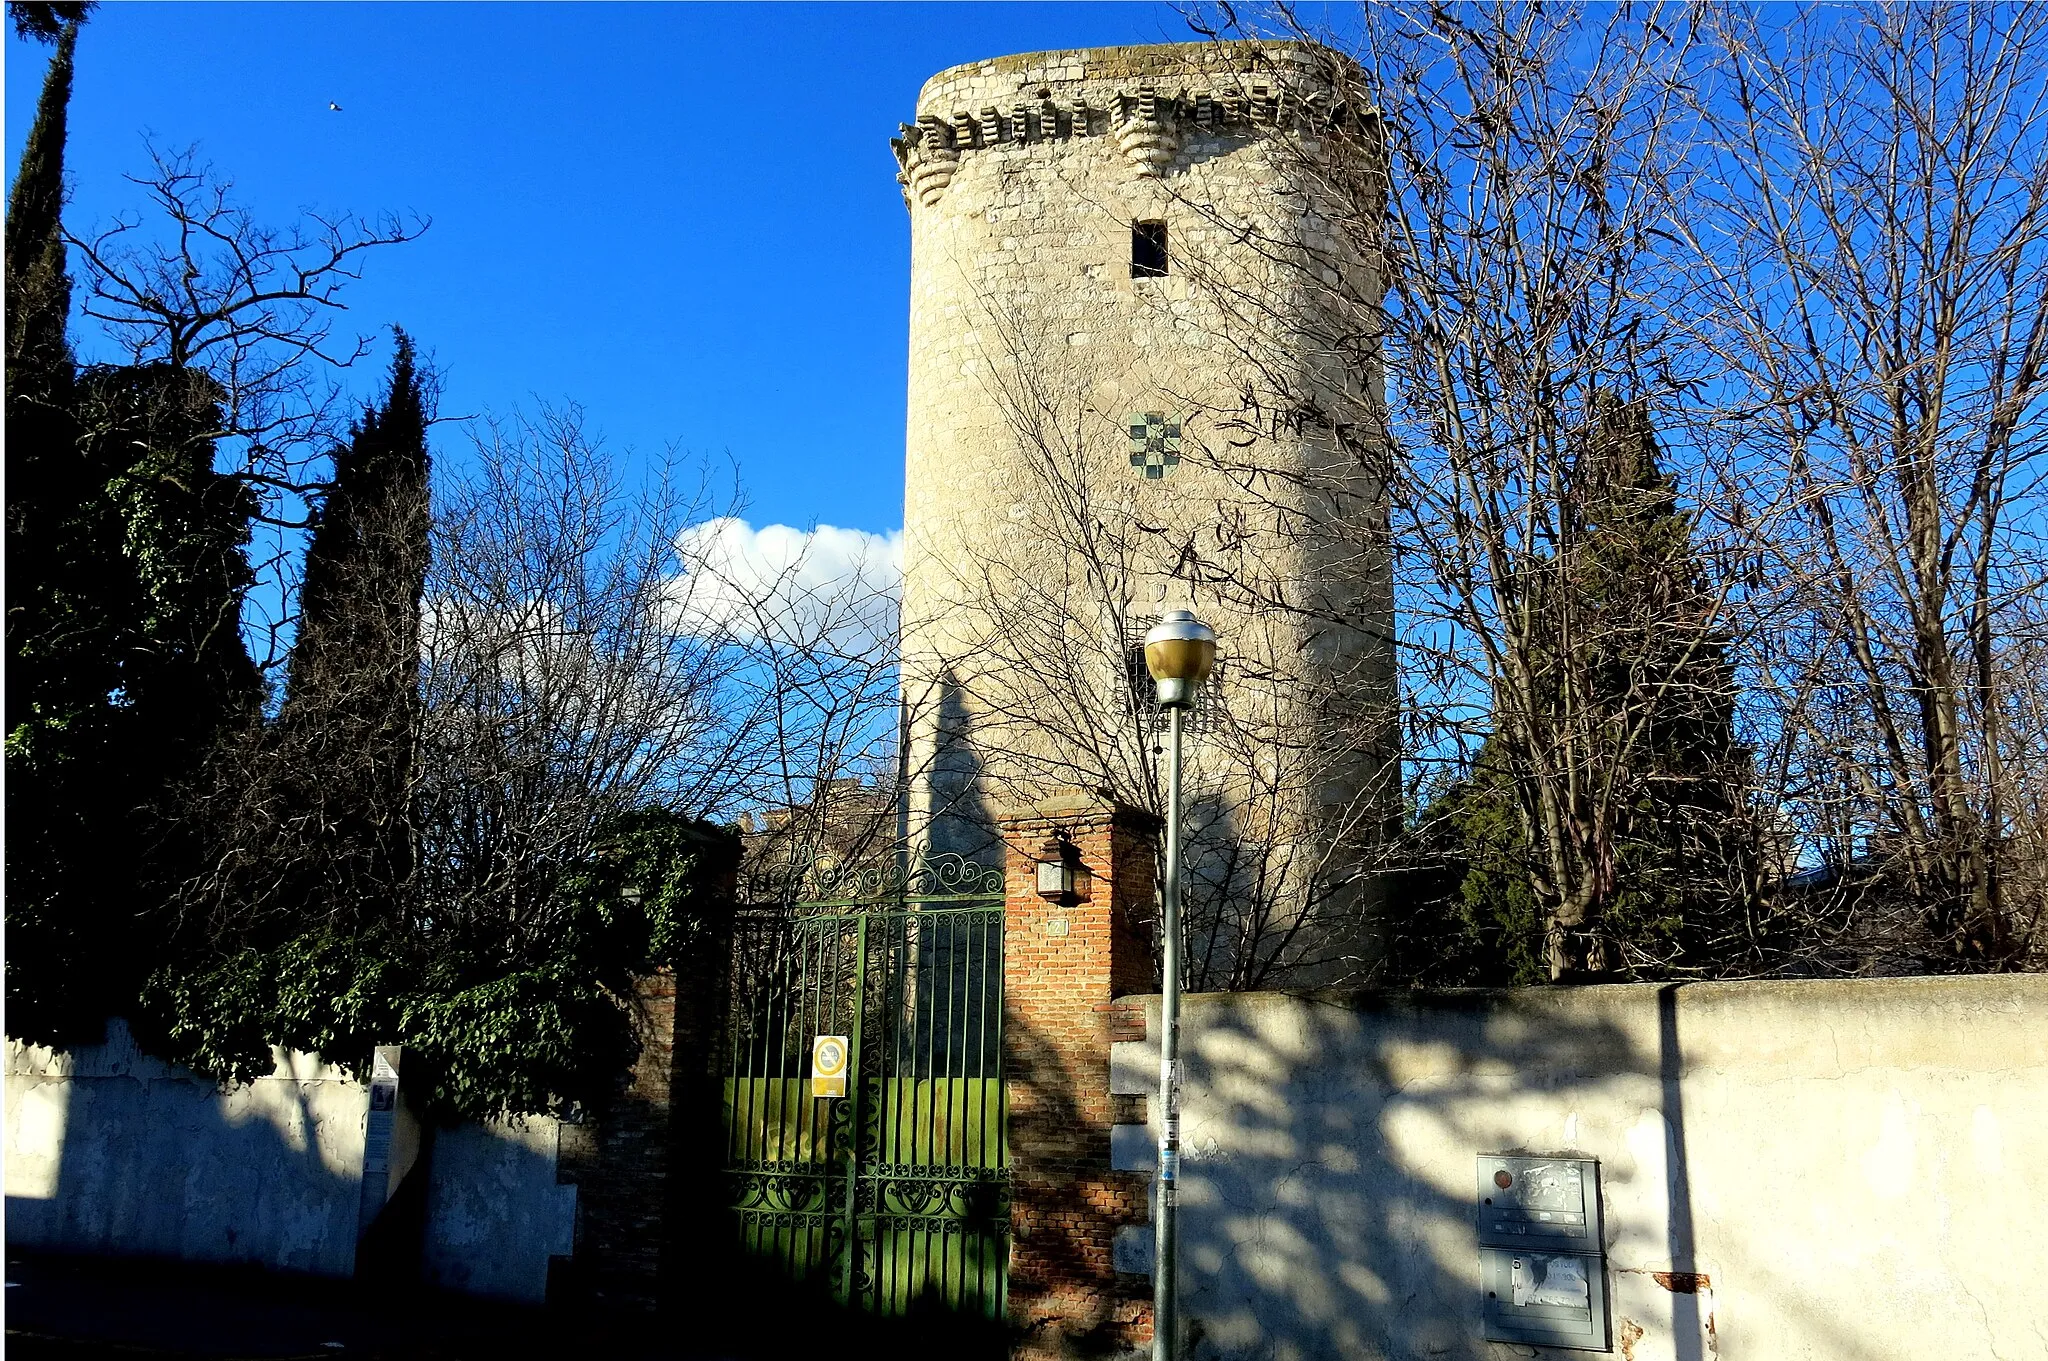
(815,628)
(1512,202)
(561,685)
(1871,266)
(196,283)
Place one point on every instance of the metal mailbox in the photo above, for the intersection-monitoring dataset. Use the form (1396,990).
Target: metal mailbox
(1540,1259)
(1550,1203)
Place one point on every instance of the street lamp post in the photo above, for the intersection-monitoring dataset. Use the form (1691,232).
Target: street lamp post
(1179,651)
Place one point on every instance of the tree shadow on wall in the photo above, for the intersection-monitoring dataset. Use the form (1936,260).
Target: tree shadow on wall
(135,1157)
(1307,1231)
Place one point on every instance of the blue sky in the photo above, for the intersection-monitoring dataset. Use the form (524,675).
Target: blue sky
(682,216)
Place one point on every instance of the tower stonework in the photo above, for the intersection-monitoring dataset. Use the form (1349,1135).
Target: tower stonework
(1127,273)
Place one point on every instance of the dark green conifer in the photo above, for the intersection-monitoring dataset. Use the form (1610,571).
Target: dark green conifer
(1680,873)
(186,675)
(38,286)
(1655,683)
(350,718)
(126,576)
(64,584)
(47,483)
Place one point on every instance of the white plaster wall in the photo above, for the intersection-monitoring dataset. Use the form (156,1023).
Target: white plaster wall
(1853,1165)
(495,1214)
(109,1151)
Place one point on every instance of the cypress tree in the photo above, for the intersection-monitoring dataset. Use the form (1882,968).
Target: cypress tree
(47,484)
(1681,863)
(350,717)
(64,591)
(1628,591)
(38,286)
(126,576)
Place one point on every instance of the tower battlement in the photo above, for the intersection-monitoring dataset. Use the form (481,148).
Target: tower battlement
(1148,100)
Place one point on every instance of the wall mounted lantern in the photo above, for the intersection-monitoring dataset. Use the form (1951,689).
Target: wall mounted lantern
(1062,878)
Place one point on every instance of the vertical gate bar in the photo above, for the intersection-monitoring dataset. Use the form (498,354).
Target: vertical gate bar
(831,1014)
(757,1092)
(772,1109)
(1001,1053)
(777,968)
(853,1095)
(991,1055)
(775,981)
(786,1120)
(886,1105)
(1001,1245)
(739,1005)
(797,1151)
(742,1067)
(787,1150)
(806,936)
(980,1154)
(942,1101)
(806,1020)
(903,1021)
(803,1014)
(953,1028)
(820,989)
(774,970)
(731,1094)
(892,1004)
(931,1060)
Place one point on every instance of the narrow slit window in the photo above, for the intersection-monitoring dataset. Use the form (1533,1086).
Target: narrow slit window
(1148,250)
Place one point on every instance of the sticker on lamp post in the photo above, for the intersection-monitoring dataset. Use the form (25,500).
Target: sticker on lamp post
(828,1065)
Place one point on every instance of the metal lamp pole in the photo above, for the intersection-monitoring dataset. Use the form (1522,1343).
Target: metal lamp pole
(1179,651)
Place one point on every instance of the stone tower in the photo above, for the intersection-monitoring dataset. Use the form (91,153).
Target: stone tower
(1131,390)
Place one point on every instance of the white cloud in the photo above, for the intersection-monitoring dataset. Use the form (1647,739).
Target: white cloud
(818,587)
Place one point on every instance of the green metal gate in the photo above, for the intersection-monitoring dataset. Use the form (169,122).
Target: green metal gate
(898,1193)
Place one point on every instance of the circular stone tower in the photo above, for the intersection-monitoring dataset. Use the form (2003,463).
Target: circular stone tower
(1137,278)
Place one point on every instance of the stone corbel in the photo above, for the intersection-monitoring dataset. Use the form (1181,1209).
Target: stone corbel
(1048,117)
(928,157)
(1147,135)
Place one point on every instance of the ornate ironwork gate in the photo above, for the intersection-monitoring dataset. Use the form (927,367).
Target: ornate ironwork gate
(897,1194)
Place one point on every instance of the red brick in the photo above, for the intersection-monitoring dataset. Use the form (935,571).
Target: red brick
(1060,999)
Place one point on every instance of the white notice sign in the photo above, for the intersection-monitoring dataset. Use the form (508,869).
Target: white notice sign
(829,1055)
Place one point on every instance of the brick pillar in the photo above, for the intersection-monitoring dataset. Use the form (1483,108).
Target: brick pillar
(1064,965)
(619,1159)
(647,1166)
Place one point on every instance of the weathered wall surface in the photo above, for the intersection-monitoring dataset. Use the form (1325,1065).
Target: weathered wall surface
(495,1213)
(110,1151)
(1040,539)
(1851,1168)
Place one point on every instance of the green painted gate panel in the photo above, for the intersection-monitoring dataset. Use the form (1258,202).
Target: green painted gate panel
(897,1193)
